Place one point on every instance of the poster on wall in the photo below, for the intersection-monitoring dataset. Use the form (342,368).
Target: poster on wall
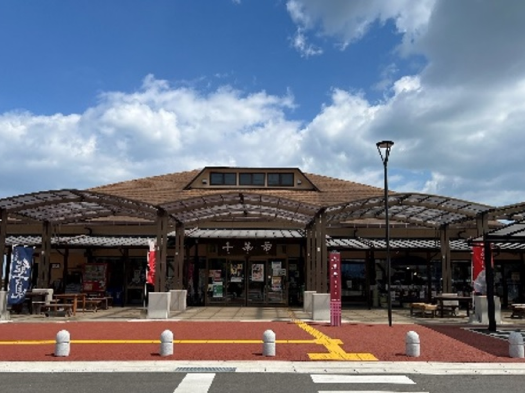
(216,275)
(276,268)
(217,289)
(236,272)
(258,272)
(276,283)
(276,265)
(95,277)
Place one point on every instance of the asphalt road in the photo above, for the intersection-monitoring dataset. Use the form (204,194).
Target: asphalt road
(233,382)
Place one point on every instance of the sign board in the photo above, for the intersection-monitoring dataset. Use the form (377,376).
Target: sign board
(335,276)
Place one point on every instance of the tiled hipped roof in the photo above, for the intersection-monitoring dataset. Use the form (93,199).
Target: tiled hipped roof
(161,189)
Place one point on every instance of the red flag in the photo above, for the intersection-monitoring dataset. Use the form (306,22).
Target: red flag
(479,283)
(150,279)
(478,260)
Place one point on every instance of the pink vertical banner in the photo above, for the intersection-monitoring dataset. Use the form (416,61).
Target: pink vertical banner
(335,289)
(150,274)
(335,276)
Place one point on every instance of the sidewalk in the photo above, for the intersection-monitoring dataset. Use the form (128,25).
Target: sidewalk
(227,314)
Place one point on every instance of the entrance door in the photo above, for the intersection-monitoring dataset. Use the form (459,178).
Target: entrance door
(226,282)
(235,282)
(267,282)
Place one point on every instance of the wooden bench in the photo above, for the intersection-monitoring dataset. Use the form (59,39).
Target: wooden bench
(56,309)
(518,310)
(423,309)
(92,304)
(37,306)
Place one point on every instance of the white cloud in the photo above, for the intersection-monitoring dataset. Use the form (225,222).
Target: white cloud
(157,129)
(457,125)
(348,21)
(460,119)
(299,42)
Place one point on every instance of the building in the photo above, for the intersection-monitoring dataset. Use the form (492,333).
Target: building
(255,236)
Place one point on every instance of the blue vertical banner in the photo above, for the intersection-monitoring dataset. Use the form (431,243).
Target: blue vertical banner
(19,274)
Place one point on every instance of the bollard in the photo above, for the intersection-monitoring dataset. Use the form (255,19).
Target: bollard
(412,344)
(268,343)
(62,345)
(516,345)
(166,343)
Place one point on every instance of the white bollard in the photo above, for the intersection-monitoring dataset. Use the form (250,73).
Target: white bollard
(412,344)
(516,345)
(268,343)
(166,343)
(62,345)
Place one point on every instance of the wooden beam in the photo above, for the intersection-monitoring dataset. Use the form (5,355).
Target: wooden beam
(45,255)
(446,265)
(324,254)
(160,251)
(179,256)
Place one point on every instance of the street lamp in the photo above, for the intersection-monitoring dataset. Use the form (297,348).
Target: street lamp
(383,148)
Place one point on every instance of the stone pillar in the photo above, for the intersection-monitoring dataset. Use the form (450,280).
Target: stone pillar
(321,306)
(4,313)
(178,299)
(159,305)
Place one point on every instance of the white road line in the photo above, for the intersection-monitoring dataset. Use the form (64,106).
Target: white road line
(395,379)
(195,383)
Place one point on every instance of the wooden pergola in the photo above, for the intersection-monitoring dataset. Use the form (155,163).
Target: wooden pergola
(80,213)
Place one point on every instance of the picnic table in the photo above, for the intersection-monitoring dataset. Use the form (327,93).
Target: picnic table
(73,299)
(451,303)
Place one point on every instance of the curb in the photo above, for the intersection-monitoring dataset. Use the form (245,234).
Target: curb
(422,368)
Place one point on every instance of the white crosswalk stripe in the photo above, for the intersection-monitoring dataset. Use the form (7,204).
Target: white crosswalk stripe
(195,383)
(362,379)
(391,379)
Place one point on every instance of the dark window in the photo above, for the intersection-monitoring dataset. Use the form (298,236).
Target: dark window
(223,179)
(251,179)
(280,179)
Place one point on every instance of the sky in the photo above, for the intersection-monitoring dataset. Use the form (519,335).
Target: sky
(94,92)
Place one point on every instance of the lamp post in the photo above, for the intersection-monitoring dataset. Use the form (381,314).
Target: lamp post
(383,148)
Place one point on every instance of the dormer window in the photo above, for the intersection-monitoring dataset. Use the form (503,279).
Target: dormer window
(223,179)
(280,180)
(251,179)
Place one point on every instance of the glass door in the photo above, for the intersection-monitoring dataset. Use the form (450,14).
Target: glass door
(226,282)
(235,282)
(277,288)
(256,282)
(267,282)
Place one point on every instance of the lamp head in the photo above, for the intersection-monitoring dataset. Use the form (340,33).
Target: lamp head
(386,146)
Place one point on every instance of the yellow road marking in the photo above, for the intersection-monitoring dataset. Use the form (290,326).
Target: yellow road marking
(335,352)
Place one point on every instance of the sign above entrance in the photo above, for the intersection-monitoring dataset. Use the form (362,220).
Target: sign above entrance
(247,247)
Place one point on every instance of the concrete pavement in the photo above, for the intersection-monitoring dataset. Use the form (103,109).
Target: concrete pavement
(349,315)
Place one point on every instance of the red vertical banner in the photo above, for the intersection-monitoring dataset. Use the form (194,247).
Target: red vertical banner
(150,276)
(478,260)
(478,269)
(335,289)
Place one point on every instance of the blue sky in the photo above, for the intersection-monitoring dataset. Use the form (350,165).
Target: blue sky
(95,91)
